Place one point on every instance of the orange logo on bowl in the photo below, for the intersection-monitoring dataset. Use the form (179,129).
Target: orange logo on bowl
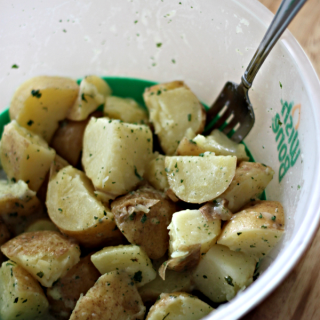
(285,126)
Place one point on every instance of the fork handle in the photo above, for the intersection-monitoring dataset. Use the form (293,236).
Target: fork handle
(286,12)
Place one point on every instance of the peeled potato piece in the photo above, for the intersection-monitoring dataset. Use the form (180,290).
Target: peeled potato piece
(75,210)
(189,228)
(41,225)
(46,255)
(174,109)
(25,155)
(41,102)
(115,154)
(17,198)
(92,93)
(21,296)
(130,258)
(188,147)
(178,306)
(221,273)
(66,291)
(200,179)
(113,296)
(125,109)
(250,180)
(143,217)
(255,230)
(156,174)
(174,282)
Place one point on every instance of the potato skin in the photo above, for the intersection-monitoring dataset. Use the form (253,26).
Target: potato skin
(64,294)
(114,296)
(143,217)
(67,140)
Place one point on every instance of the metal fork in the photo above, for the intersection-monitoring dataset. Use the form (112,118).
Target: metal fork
(233,107)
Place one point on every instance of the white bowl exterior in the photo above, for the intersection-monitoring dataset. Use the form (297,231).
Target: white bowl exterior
(204,43)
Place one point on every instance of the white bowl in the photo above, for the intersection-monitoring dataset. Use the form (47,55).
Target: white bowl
(204,43)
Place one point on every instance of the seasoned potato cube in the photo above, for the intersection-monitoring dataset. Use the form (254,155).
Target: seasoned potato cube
(174,109)
(255,230)
(115,154)
(21,296)
(125,109)
(143,217)
(92,93)
(189,228)
(129,258)
(221,273)
(248,183)
(64,294)
(112,297)
(74,209)
(156,174)
(188,147)
(178,306)
(47,255)
(41,225)
(217,142)
(41,102)
(200,179)
(4,237)
(24,155)
(17,198)
(174,282)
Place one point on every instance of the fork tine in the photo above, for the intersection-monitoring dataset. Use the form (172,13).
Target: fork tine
(230,125)
(222,119)
(242,131)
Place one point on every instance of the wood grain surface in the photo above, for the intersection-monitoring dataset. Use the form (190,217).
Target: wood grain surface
(298,297)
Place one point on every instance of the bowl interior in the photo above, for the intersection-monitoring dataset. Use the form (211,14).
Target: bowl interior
(205,44)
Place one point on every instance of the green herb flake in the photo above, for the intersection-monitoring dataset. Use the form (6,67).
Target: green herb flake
(137,276)
(238,233)
(14,66)
(274,218)
(60,209)
(280,84)
(40,274)
(83,98)
(36,93)
(137,174)
(189,117)
(229,281)
(260,216)
(144,218)
(30,123)
(159,44)
(173,61)
(16,300)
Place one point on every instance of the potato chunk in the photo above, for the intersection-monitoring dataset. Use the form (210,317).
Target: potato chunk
(178,306)
(115,154)
(221,273)
(75,210)
(41,102)
(4,237)
(200,179)
(41,225)
(125,109)
(174,282)
(24,155)
(156,174)
(129,258)
(21,296)
(250,180)
(17,198)
(255,230)
(217,142)
(112,297)
(143,217)
(92,93)
(189,228)
(174,109)
(64,294)
(47,255)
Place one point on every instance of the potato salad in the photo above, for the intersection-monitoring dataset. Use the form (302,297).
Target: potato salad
(116,211)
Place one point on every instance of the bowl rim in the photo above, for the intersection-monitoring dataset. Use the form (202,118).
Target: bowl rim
(284,263)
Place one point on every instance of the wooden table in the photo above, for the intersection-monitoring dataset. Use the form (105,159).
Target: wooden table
(298,297)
